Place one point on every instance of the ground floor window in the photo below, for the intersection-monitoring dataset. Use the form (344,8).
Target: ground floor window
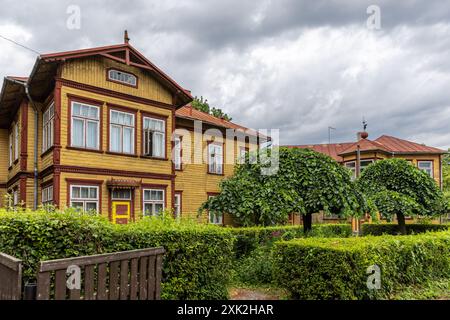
(213,217)
(15,197)
(154,201)
(121,194)
(84,198)
(177,205)
(426,166)
(47,195)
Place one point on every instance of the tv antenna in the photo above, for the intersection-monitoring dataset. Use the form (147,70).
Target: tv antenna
(329,134)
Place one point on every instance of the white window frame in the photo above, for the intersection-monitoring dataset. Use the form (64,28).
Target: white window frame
(242,154)
(214,218)
(429,170)
(153,202)
(16,141)
(119,76)
(177,204)
(85,120)
(47,195)
(145,137)
(177,153)
(48,127)
(15,197)
(215,163)
(85,200)
(122,131)
(11,147)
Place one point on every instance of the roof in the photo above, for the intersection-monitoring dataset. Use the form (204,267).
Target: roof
(41,79)
(332,149)
(364,145)
(190,113)
(385,143)
(398,145)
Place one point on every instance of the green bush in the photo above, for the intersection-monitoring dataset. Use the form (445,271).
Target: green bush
(195,262)
(378,229)
(256,268)
(335,268)
(248,239)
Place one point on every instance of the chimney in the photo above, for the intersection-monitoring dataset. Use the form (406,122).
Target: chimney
(125,37)
(361,135)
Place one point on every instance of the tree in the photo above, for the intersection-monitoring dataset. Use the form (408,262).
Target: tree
(398,188)
(305,183)
(446,172)
(203,105)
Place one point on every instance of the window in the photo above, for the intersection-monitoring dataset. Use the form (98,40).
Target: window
(153,202)
(122,77)
(47,195)
(242,154)
(121,194)
(177,153)
(15,197)
(363,164)
(84,198)
(213,217)
(426,166)
(177,205)
(16,141)
(85,126)
(154,137)
(215,158)
(121,132)
(11,138)
(48,128)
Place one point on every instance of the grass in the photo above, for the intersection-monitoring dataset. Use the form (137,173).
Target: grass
(432,290)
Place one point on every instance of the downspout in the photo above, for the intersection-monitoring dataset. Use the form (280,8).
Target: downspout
(36,140)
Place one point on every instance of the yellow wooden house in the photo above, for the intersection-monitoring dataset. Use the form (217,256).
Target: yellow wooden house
(105,129)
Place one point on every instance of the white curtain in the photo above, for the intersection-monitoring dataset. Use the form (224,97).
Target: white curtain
(115,139)
(78,133)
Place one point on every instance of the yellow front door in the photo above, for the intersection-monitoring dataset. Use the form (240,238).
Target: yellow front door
(121,212)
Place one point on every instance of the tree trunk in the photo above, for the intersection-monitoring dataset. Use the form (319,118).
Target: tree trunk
(307,223)
(401,223)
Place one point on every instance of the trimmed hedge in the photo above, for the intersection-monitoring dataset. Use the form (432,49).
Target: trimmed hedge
(335,268)
(194,264)
(248,239)
(378,229)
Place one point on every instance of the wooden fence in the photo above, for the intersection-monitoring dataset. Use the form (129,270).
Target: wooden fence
(129,275)
(10,278)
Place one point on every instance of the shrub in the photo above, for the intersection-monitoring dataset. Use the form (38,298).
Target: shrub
(378,229)
(256,268)
(194,264)
(248,239)
(335,268)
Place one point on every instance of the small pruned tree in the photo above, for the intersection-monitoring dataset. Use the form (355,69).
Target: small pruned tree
(305,183)
(399,189)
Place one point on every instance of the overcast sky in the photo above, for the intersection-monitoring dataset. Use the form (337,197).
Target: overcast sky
(299,66)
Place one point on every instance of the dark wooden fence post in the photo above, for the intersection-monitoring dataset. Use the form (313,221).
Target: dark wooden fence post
(10,278)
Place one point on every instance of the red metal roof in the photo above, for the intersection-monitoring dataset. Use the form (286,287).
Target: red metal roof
(384,143)
(331,150)
(398,145)
(188,112)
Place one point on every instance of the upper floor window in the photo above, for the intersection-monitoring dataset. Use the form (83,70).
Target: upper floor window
(154,137)
(122,77)
(121,132)
(215,158)
(84,198)
(426,166)
(153,201)
(16,141)
(11,149)
(85,126)
(177,153)
(48,127)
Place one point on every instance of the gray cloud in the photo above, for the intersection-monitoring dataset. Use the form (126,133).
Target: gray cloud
(299,66)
